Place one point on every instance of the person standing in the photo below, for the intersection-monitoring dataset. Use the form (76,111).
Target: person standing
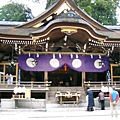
(101,97)
(114,99)
(90,100)
(6,77)
(11,79)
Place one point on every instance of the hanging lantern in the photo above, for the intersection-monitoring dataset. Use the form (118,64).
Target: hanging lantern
(65,67)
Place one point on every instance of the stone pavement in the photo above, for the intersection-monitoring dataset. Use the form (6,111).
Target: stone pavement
(56,114)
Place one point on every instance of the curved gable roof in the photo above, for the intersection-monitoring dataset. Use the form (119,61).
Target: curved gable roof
(55,7)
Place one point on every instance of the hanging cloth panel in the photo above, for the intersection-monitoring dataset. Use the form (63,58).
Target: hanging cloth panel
(54,62)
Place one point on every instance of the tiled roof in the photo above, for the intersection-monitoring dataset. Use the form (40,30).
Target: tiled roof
(113,27)
(11,23)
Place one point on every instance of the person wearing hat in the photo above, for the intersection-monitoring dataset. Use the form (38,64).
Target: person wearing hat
(114,98)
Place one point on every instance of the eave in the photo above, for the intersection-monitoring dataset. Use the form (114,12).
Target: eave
(54,8)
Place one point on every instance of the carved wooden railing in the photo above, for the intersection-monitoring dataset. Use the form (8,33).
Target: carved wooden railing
(98,85)
(26,84)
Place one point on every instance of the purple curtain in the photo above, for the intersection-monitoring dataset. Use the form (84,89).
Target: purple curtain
(53,62)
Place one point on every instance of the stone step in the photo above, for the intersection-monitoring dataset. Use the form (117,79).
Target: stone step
(57,105)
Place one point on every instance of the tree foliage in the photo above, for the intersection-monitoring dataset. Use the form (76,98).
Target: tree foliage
(15,12)
(104,11)
(49,3)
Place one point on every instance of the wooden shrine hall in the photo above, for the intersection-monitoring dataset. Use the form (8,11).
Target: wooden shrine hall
(62,49)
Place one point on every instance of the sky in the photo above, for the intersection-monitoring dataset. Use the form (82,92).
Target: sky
(39,8)
(35,7)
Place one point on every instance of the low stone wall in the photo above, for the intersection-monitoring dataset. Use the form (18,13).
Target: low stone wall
(23,103)
(107,102)
(7,103)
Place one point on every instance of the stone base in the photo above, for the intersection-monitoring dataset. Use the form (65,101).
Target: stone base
(23,103)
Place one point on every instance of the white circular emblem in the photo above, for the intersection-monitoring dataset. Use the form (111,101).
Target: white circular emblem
(31,62)
(76,63)
(54,63)
(97,64)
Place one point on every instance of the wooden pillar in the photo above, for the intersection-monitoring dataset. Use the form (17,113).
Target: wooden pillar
(45,76)
(83,78)
(4,69)
(46,73)
(46,80)
(95,77)
(16,81)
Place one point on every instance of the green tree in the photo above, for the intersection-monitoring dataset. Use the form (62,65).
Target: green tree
(49,3)
(15,12)
(104,11)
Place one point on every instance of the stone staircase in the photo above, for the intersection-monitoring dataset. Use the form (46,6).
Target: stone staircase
(52,99)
